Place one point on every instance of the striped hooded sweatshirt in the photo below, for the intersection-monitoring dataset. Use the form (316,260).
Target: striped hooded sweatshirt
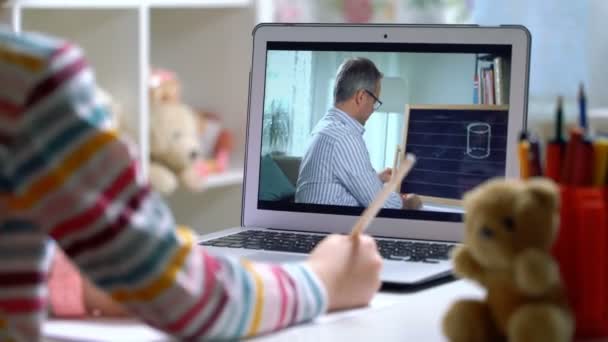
(66,178)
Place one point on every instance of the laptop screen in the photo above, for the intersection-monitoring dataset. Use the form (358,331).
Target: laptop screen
(338,117)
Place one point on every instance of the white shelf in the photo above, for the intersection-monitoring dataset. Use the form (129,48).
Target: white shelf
(228,178)
(107,4)
(66,4)
(206,42)
(197,3)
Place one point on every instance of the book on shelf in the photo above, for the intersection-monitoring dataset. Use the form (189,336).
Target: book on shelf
(488,85)
(501,80)
(476,88)
(491,80)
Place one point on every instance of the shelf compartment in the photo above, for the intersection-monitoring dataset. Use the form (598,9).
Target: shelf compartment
(228,178)
(101,4)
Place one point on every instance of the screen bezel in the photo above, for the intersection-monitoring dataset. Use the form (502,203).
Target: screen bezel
(516,36)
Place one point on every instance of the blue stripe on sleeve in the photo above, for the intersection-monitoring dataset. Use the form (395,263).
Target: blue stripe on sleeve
(316,292)
(247,291)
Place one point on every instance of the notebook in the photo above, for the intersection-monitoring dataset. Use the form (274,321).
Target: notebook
(453,95)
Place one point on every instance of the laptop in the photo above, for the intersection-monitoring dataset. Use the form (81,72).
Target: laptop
(453,95)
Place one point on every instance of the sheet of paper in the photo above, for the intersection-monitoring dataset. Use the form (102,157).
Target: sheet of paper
(101,330)
(379,301)
(132,330)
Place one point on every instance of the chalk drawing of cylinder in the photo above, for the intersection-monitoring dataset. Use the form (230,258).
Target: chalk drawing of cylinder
(479,135)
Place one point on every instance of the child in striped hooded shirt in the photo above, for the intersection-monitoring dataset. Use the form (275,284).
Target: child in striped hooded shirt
(66,179)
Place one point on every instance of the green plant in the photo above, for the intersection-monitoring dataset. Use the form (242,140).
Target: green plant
(425,3)
(277,127)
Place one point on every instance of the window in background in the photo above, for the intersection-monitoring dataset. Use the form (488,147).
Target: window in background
(559,53)
(559,33)
(569,46)
(299,91)
(288,102)
(366,11)
(568,37)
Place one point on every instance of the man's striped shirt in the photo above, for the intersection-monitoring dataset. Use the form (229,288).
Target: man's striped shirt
(336,169)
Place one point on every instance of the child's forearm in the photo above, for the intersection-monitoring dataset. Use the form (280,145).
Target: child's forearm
(247,298)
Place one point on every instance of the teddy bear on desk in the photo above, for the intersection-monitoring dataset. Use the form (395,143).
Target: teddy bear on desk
(509,228)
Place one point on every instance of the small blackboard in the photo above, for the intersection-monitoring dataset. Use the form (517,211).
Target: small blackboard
(457,147)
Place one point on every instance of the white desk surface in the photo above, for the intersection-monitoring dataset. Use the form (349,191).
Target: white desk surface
(390,317)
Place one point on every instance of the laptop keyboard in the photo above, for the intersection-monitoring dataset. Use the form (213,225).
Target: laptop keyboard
(390,249)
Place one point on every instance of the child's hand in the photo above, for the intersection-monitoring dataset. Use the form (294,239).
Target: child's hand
(99,303)
(72,295)
(349,268)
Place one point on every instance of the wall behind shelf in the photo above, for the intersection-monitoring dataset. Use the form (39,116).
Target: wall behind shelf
(110,42)
(5,16)
(210,50)
(216,209)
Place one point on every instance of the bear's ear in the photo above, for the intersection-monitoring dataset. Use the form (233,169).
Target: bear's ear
(544,192)
(480,192)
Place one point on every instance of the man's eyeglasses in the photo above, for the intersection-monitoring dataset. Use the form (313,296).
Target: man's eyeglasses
(377,102)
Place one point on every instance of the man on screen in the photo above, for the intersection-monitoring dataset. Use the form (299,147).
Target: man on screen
(336,169)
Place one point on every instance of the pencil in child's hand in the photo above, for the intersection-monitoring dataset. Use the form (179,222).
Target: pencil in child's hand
(372,210)
(396,160)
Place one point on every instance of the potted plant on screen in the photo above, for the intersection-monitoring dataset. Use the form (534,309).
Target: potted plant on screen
(277,128)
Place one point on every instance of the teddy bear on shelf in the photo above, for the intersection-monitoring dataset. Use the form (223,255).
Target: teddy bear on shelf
(164,87)
(174,148)
(510,226)
(175,154)
(215,141)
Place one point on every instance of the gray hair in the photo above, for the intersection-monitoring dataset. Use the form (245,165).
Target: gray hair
(353,75)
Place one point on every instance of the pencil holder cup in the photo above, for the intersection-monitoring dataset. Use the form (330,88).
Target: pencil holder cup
(582,254)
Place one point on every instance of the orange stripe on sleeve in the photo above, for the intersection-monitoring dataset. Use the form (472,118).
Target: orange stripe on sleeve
(58,176)
(28,62)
